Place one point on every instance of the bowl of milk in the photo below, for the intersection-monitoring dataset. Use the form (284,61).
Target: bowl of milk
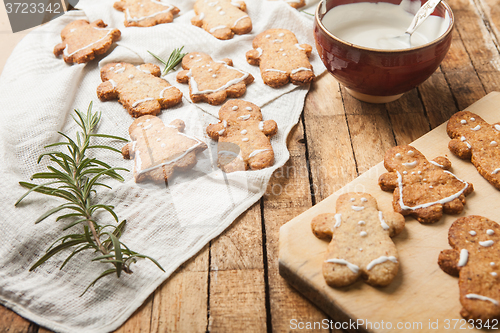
(357,41)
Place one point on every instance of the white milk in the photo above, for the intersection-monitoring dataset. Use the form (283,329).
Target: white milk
(375,25)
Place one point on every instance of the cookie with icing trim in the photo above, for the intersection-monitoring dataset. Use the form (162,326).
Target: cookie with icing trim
(361,244)
(222,18)
(146,13)
(138,88)
(159,150)
(212,81)
(475,139)
(423,189)
(244,138)
(281,58)
(475,259)
(83,41)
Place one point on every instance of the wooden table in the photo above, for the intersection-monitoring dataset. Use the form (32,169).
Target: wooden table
(233,284)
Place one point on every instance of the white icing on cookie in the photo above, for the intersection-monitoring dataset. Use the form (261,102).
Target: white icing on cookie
(428,204)
(65,51)
(382,221)
(256,152)
(482,298)
(238,20)
(437,164)
(352,267)
(300,69)
(357,208)
(129,17)
(490,232)
(380,260)
(472,233)
(338,220)
(245,117)
(464,257)
(142,101)
(363,233)
(477,128)
(487,243)
(214,29)
(411,164)
(274,70)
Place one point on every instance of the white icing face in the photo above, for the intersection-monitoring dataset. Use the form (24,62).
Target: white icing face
(463,121)
(472,233)
(472,119)
(398,155)
(364,200)
(411,152)
(490,232)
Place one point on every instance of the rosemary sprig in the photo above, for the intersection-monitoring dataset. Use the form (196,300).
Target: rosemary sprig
(75,179)
(173,60)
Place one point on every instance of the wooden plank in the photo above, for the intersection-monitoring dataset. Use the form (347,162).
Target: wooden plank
(180,304)
(370,131)
(458,69)
(11,322)
(408,118)
(140,321)
(236,286)
(437,99)
(421,290)
(288,195)
(331,157)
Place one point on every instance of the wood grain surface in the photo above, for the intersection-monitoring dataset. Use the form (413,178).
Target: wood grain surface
(337,139)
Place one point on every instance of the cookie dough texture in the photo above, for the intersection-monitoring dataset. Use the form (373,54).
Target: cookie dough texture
(138,88)
(421,188)
(222,18)
(158,150)
(281,58)
(83,41)
(146,13)
(361,244)
(244,138)
(475,139)
(475,259)
(212,81)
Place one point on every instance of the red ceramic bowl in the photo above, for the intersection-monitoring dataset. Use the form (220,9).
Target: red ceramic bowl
(379,76)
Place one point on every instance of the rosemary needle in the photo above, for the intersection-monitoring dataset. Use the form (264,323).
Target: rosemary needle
(75,178)
(173,60)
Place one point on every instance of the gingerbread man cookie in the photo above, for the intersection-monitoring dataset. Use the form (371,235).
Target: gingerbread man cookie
(146,13)
(361,242)
(160,149)
(475,259)
(138,88)
(422,189)
(475,139)
(243,137)
(82,41)
(281,58)
(212,81)
(222,18)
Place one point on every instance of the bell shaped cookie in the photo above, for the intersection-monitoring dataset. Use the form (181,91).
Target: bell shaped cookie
(212,81)
(421,188)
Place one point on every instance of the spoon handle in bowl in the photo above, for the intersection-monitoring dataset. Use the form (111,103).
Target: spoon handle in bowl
(422,14)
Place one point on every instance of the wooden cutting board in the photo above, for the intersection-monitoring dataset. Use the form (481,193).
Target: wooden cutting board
(421,294)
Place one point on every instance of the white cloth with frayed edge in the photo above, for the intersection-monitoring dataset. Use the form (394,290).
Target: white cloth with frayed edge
(169,223)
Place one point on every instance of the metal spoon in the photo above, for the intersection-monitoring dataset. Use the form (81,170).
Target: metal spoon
(422,14)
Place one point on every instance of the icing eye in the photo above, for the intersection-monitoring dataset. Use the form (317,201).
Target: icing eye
(472,233)
(492,263)
(493,143)
(361,222)
(490,232)
(353,199)
(410,152)
(398,155)
(268,36)
(405,172)
(235,108)
(364,199)
(363,233)
(472,119)
(248,108)
(463,121)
